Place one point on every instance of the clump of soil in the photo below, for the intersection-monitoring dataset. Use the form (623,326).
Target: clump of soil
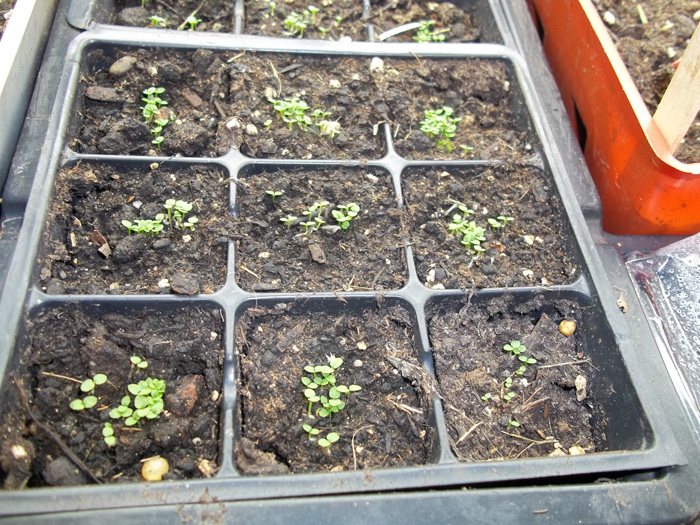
(368,255)
(89,251)
(551,410)
(220,101)
(182,347)
(535,248)
(649,50)
(385,424)
(481,94)
(260,21)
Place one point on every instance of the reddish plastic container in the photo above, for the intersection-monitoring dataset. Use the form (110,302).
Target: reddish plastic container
(643,188)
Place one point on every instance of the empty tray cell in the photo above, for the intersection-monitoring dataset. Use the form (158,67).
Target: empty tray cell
(212,102)
(293,236)
(510,219)
(455,109)
(516,382)
(75,367)
(89,249)
(387,423)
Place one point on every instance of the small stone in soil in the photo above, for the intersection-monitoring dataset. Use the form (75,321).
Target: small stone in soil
(61,471)
(122,66)
(102,94)
(317,254)
(184,284)
(185,396)
(265,287)
(192,98)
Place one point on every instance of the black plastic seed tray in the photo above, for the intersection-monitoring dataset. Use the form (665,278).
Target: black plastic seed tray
(631,434)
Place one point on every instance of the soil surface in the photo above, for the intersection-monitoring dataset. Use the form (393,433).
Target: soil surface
(550,411)
(453,23)
(182,347)
(270,256)
(385,424)
(650,50)
(535,248)
(89,251)
(219,101)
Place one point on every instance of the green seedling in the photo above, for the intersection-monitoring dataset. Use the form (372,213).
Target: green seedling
(338,20)
(515,347)
(424,34)
(329,128)
(87,387)
(330,438)
(345,213)
(272,5)
(499,222)
(108,435)
(274,193)
(527,360)
(145,226)
(472,237)
(306,225)
(320,387)
(267,124)
(288,220)
(178,210)
(311,431)
(292,111)
(157,21)
(193,22)
(508,397)
(138,362)
(486,397)
(319,222)
(153,102)
(441,126)
(148,402)
(312,11)
(512,423)
(508,382)
(296,24)
(465,149)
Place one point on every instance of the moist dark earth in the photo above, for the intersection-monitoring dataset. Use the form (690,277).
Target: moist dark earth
(89,251)
(221,101)
(650,50)
(65,346)
(270,256)
(550,412)
(386,424)
(260,17)
(536,248)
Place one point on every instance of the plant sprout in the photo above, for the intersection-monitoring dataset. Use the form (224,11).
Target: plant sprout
(274,193)
(515,347)
(87,387)
(441,126)
(424,34)
(148,402)
(192,21)
(153,102)
(144,226)
(157,21)
(272,5)
(138,362)
(330,438)
(345,213)
(499,222)
(288,220)
(296,23)
(512,423)
(108,435)
(177,210)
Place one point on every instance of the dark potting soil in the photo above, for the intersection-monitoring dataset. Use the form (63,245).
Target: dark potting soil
(63,347)
(536,248)
(385,424)
(86,215)
(550,413)
(260,18)
(649,50)
(220,101)
(270,256)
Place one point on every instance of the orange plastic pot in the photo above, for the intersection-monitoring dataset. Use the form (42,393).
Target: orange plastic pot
(644,190)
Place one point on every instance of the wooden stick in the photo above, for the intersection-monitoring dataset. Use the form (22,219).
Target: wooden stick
(681,102)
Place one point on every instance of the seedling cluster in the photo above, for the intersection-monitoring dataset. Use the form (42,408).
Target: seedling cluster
(322,392)
(425,34)
(148,400)
(518,350)
(470,234)
(176,210)
(294,111)
(312,218)
(297,23)
(441,126)
(151,112)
